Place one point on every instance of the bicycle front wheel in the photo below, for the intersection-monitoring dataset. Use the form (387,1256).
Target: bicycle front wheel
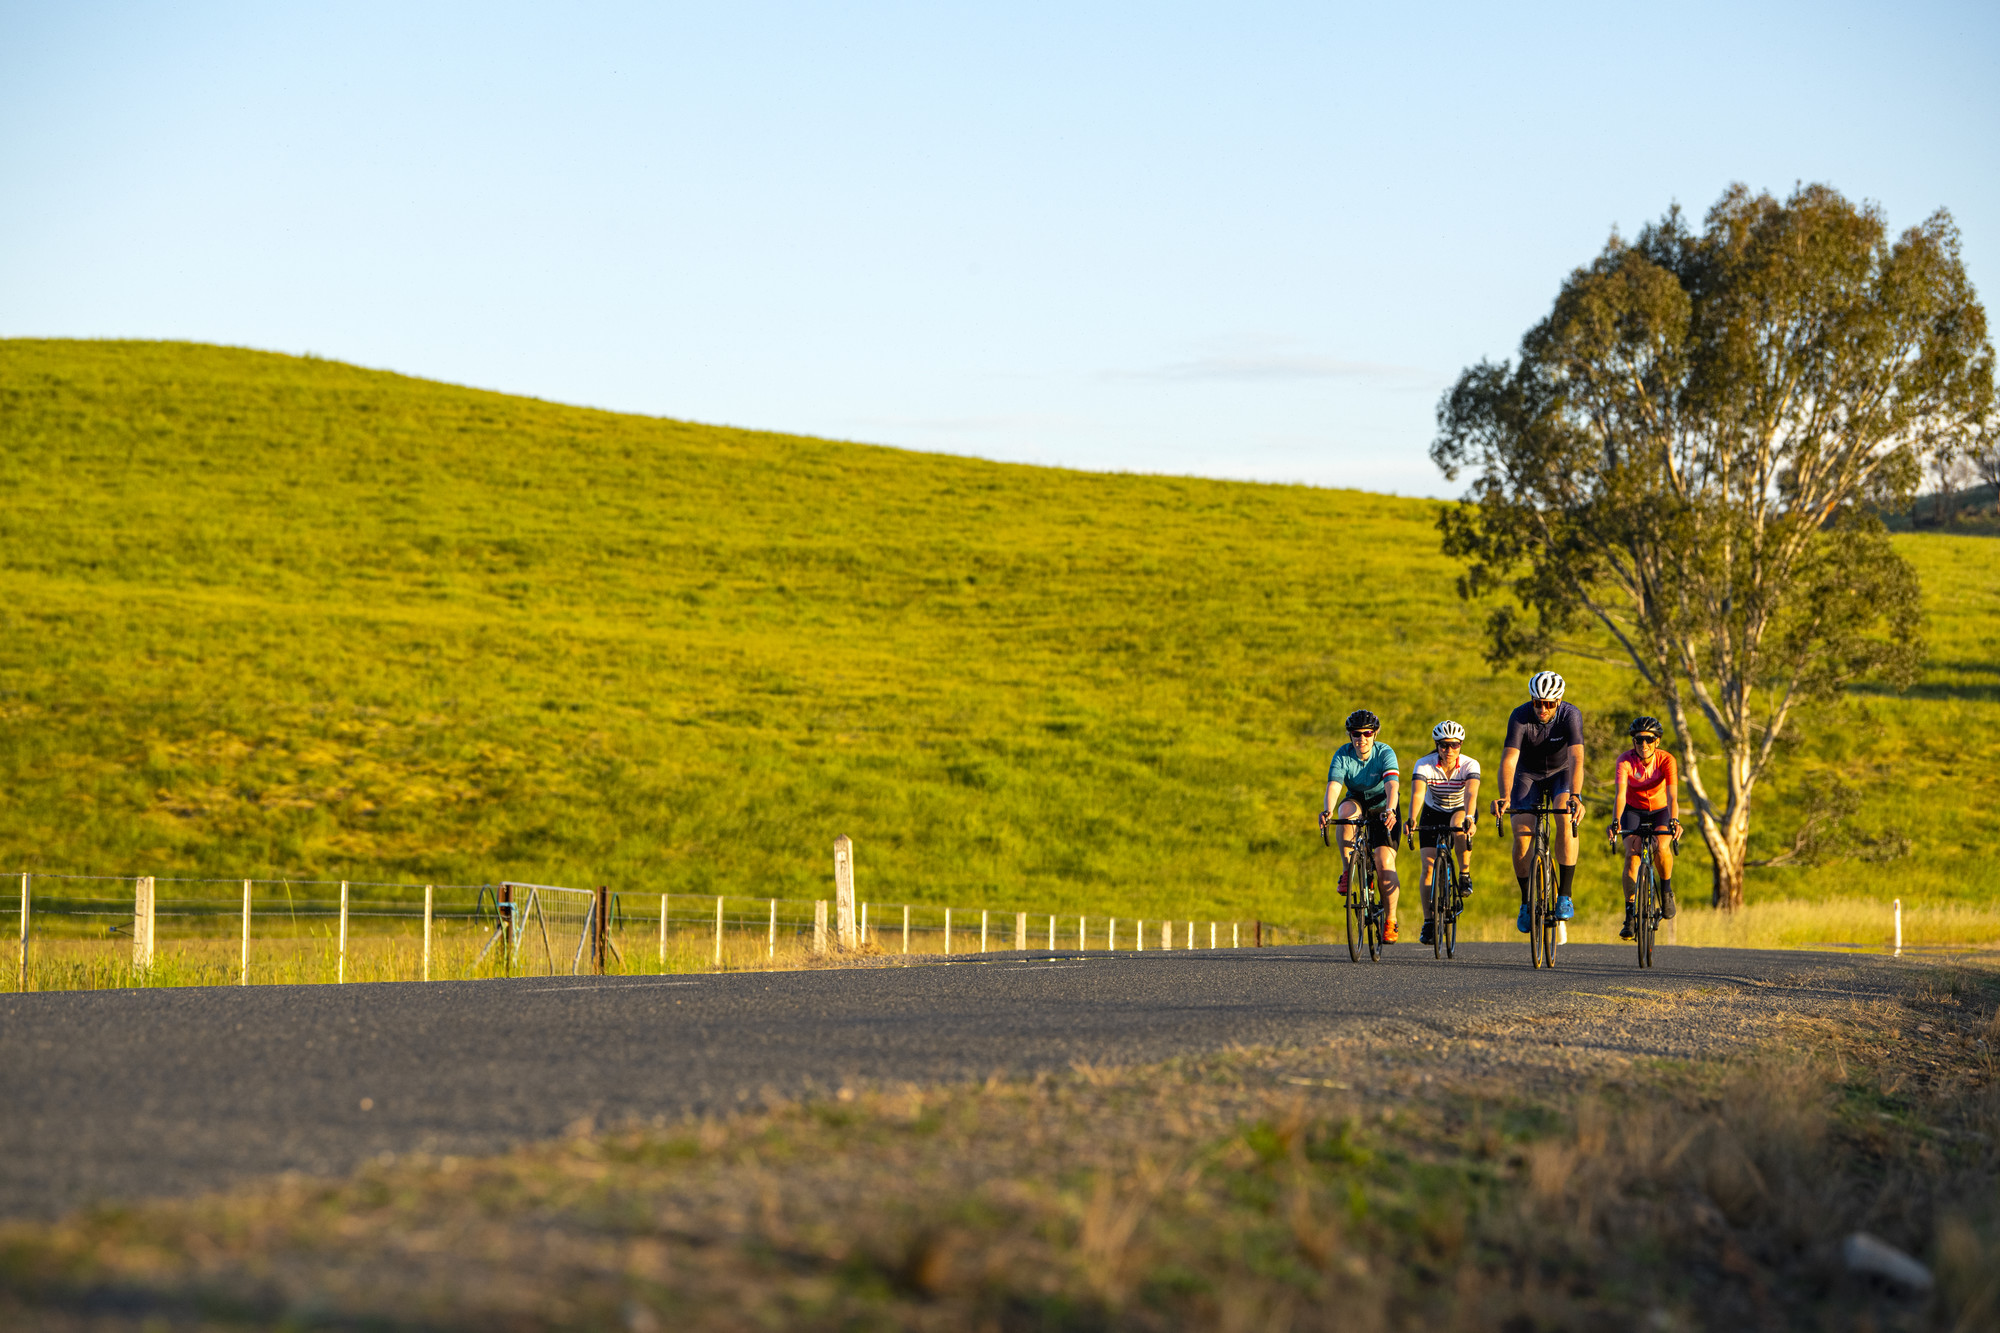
(1444,890)
(1374,923)
(1642,912)
(1354,910)
(1537,910)
(1551,928)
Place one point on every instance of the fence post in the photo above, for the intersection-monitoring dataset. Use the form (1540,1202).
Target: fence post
(142,923)
(718,930)
(1187,940)
(503,909)
(1211,934)
(819,925)
(947,931)
(430,902)
(843,889)
(1236,934)
(24,933)
(982,930)
(243,977)
(772,947)
(1899,927)
(864,925)
(1111,937)
(340,965)
(1052,934)
(1020,930)
(1140,927)
(906,927)
(663,932)
(600,933)
(1258,939)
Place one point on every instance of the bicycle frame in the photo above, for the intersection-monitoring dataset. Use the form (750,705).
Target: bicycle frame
(1543,927)
(1364,910)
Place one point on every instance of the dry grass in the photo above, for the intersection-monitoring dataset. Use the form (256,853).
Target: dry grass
(1527,1173)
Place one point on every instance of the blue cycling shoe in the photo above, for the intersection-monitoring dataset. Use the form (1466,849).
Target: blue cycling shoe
(1564,911)
(1521,921)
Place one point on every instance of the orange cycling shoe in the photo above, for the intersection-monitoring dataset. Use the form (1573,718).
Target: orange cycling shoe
(1388,932)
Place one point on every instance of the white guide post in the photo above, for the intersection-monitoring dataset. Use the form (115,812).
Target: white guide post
(947,930)
(906,927)
(142,922)
(340,965)
(864,925)
(718,930)
(772,947)
(1052,934)
(430,905)
(1111,937)
(1082,933)
(1236,934)
(24,933)
(243,975)
(1211,934)
(1140,928)
(1899,927)
(1187,940)
(843,888)
(819,925)
(982,930)
(663,932)
(1020,930)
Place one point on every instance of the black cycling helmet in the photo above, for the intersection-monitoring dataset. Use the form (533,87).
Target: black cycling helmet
(1363,720)
(1645,726)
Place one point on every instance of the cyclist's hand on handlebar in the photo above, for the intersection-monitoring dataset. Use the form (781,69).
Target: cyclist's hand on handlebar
(1324,816)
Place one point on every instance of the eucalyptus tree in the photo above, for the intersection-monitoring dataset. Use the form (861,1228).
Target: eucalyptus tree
(1688,455)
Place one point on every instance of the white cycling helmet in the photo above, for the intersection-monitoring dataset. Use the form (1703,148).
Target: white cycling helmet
(1447,731)
(1545,685)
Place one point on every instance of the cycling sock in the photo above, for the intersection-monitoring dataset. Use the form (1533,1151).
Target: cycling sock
(1524,889)
(1667,885)
(1563,876)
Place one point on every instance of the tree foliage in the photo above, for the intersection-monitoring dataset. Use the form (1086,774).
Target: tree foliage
(1688,453)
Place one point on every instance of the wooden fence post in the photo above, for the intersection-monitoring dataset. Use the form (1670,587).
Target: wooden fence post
(1020,931)
(430,903)
(340,964)
(142,923)
(843,889)
(600,934)
(906,927)
(24,933)
(718,930)
(1259,941)
(819,925)
(243,975)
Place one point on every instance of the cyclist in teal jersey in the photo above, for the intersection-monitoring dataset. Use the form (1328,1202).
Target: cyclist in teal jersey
(1363,778)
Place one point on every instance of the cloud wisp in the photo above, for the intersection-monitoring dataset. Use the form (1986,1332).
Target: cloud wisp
(1278,367)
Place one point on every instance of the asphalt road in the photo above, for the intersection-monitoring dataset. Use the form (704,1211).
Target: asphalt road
(120,1094)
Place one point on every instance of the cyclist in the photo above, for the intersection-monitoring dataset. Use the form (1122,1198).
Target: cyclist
(1363,778)
(1444,794)
(1648,804)
(1543,761)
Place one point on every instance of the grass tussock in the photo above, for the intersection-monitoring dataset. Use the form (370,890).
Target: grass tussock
(1461,1183)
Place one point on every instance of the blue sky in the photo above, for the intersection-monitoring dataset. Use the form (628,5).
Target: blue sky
(1235,240)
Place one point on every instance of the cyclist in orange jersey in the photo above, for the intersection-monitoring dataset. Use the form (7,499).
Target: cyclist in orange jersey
(1648,805)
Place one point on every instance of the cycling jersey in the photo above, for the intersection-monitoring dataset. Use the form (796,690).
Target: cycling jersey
(1365,781)
(1544,746)
(1444,791)
(1646,787)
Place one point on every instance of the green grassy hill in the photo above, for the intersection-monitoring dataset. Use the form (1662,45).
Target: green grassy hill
(269,615)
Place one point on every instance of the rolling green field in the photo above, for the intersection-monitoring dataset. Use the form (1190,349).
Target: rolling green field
(278,616)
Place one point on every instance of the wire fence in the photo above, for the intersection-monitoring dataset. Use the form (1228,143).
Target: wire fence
(98,931)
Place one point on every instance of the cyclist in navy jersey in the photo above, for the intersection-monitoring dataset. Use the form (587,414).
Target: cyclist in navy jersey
(1543,762)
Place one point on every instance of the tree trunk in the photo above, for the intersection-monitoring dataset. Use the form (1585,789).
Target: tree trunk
(1726,867)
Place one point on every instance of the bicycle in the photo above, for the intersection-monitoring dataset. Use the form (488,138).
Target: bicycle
(1648,911)
(1542,923)
(1447,901)
(1364,908)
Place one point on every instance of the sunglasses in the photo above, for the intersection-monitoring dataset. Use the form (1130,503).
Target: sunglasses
(1550,704)
(1649,740)
(1448,745)
(1359,735)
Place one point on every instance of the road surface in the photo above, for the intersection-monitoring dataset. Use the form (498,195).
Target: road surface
(132,1093)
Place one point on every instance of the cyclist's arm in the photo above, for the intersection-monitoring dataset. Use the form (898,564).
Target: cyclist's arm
(1618,801)
(1389,792)
(1510,759)
(1674,793)
(1471,805)
(1417,789)
(1576,775)
(1336,792)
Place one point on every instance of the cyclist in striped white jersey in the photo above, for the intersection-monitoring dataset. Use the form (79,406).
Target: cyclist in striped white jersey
(1444,795)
